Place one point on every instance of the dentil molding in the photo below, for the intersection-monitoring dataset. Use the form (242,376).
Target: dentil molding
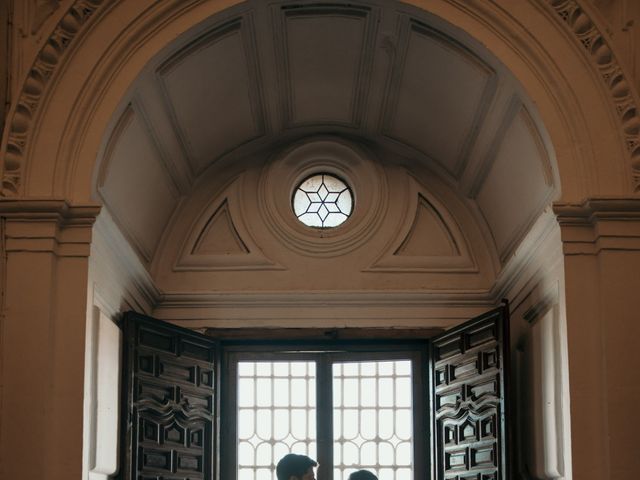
(601,54)
(47,61)
(75,21)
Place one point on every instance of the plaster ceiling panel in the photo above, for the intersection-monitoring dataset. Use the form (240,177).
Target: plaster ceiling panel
(518,184)
(212,95)
(437,98)
(135,184)
(322,59)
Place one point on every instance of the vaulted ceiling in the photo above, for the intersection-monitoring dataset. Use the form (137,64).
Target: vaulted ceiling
(415,91)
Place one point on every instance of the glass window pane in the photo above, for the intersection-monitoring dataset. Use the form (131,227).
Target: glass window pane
(263,369)
(322,200)
(368,391)
(246,392)
(263,424)
(281,369)
(373,419)
(385,392)
(350,394)
(246,369)
(268,427)
(281,392)
(368,423)
(263,386)
(246,425)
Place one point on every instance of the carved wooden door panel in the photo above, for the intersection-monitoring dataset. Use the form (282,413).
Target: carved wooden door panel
(168,422)
(470,408)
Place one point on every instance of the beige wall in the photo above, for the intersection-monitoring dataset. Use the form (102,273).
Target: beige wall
(601,260)
(46,271)
(43,331)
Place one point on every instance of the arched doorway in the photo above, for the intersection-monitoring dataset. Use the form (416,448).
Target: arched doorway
(146,97)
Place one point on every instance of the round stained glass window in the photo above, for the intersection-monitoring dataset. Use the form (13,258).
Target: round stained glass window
(323,201)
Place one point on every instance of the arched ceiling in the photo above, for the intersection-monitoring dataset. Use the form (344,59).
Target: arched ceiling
(416,92)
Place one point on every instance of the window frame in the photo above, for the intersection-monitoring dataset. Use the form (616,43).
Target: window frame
(325,353)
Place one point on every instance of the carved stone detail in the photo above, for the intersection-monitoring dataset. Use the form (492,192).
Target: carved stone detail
(596,45)
(40,74)
(42,10)
(77,16)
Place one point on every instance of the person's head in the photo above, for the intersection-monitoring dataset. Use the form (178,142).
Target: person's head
(362,475)
(295,467)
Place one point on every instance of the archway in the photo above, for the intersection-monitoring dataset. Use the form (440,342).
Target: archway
(73,126)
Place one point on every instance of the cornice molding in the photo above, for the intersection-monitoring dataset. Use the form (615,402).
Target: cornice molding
(442,309)
(600,52)
(48,209)
(74,22)
(48,226)
(596,224)
(594,209)
(43,69)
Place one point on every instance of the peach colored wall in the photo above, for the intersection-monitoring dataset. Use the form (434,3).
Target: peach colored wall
(602,257)
(45,292)
(43,331)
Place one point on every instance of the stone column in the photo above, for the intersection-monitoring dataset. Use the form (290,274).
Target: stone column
(44,304)
(601,242)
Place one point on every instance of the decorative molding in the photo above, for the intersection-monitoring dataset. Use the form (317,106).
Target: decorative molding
(46,225)
(425,210)
(540,308)
(534,258)
(281,14)
(44,67)
(322,309)
(247,254)
(243,26)
(79,14)
(126,280)
(359,168)
(596,45)
(458,259)
(42,9)
(220,225)
(513,108)
(407,27)
(132,231)
(605,223)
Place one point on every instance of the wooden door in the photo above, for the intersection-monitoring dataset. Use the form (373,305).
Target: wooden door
(470,408)
(169,407)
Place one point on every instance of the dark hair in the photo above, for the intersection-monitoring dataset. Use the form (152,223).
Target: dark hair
(362,475)
(293,464)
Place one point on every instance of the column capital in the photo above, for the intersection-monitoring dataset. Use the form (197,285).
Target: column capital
(600,223)
(48,225)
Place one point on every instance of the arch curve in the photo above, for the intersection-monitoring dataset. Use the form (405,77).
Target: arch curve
(54,132)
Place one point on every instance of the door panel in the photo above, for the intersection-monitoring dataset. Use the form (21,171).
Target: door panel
(469,399)
(169,402)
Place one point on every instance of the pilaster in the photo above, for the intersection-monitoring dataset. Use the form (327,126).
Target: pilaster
(46,245)
(601,242)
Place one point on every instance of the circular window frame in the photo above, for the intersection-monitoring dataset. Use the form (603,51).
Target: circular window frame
(347,188)
(359,170)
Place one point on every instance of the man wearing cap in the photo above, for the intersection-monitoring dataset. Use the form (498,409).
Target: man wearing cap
(296,467)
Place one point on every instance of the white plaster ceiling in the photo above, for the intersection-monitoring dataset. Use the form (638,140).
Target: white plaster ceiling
(266,74)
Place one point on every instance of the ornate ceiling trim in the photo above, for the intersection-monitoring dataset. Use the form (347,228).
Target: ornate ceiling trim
(39,77)
(611,72)
(74,21)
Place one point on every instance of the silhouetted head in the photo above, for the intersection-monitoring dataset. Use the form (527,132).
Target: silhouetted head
(295,467)
(362,475)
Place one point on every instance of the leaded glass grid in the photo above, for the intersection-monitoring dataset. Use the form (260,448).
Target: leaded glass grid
(276,415)
(372,419)
(322,201)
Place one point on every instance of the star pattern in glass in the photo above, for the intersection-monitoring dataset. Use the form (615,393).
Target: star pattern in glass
(323,201)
